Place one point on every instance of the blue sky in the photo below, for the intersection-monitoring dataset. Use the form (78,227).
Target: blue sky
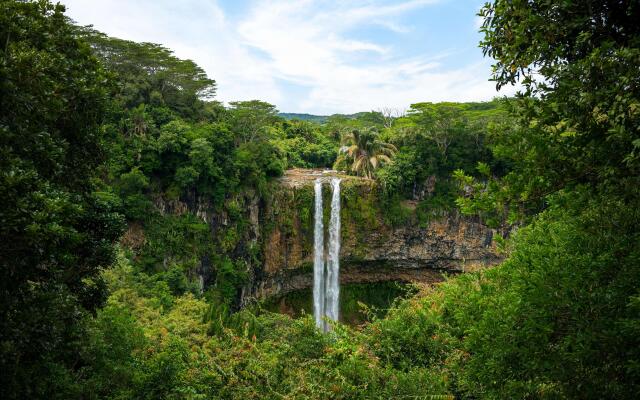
(319,57)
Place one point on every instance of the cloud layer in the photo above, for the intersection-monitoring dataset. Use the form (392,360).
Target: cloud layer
(302,55)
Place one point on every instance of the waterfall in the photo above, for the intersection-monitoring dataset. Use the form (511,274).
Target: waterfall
(326,275)
(318,259)
(333,262)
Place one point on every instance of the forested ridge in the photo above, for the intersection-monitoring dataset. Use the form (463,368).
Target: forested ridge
(102,291)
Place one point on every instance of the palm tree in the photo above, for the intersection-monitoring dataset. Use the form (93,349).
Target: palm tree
(365,151)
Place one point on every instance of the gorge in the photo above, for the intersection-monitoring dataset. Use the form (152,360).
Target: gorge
(283,227)
(161,242)
(374,249)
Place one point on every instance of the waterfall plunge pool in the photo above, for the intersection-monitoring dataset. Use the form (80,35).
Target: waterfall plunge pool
(377,296)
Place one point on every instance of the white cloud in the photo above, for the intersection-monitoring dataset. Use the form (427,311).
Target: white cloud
(193,29)
(392,26)
(375,9)
(278,43)
(306,45)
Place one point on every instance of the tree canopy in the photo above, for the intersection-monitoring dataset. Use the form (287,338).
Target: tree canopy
(579,118)
(56,233)
(365,151)
(105,140)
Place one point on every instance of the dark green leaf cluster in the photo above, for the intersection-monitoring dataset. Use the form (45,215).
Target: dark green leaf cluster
(578,118)
(433,141)
(55,233)
(558,319)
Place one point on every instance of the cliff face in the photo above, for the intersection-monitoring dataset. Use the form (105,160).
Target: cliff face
(269,238)
(375,246)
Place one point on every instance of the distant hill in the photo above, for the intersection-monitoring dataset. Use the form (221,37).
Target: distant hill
(316,118)
(305,117)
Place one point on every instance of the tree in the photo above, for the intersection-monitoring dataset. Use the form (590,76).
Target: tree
(365,151)
(390,115)
(579,112)
(249,119)
(562,321)
(55,234)
(440,122)
(150,73)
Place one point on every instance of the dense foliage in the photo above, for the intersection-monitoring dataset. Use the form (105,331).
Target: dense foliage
(434,140)
(363,152)
(99,134)
(55,233)
(558,319)
(579,115)
(170,145)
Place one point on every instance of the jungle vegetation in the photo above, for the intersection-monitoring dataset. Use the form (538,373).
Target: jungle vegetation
(99,289)
(363,152)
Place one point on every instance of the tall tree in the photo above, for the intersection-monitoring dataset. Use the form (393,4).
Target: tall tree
(579,64)
(565,321)
(365,151)
(150,73)
(440,122)
(250,119)
(55,234)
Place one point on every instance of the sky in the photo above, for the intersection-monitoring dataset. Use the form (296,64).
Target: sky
(318,57)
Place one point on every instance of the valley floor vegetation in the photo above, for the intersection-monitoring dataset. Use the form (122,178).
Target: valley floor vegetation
(101,294)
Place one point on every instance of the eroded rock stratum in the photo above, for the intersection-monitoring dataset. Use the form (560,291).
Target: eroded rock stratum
(380,242)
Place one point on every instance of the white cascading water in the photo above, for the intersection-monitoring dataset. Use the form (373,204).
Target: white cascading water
(333,262)
(326,276)
(318,259)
